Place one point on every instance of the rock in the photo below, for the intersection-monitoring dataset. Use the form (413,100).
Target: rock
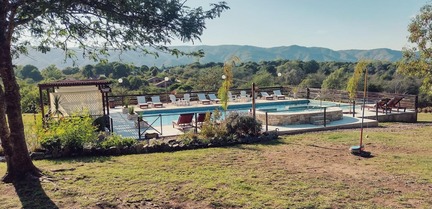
(139,147)
(37,155)
(2,159)
(87,151)
(114,151)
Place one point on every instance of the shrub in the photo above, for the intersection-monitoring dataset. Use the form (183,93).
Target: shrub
(242,125)
(101,123)
(115,140)
(212,126)
(51,143)
(73,133)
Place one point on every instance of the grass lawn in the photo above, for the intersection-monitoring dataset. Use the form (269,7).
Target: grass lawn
(312,170)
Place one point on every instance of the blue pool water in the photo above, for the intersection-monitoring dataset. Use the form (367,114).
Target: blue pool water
(166,116)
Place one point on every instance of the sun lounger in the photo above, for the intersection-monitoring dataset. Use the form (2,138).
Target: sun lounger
(394,103)
(142,102)
(266,96)
(213,98)
(184,121)
(156,101)
(380,105)
(200,119)
(202,99)
(278,94)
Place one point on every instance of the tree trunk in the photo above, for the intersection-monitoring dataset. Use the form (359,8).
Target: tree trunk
(19,164)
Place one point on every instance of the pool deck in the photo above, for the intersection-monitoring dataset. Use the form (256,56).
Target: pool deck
(126,128)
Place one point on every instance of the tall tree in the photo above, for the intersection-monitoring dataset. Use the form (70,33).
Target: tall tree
(417,61)
(31,71)
(94,26)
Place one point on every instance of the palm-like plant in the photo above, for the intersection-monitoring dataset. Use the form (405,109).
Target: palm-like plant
(57,103)
(228,80)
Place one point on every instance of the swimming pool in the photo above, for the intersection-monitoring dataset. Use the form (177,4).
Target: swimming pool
(166,116)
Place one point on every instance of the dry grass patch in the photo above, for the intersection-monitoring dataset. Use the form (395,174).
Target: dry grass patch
(313,170)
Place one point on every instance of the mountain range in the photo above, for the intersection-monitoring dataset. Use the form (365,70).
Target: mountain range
(215,54)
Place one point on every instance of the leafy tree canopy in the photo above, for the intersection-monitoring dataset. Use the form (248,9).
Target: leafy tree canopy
(96,26)
(417,60)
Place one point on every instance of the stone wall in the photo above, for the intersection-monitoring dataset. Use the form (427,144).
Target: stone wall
(305,117)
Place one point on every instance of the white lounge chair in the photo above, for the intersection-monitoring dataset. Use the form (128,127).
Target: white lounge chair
(231,97)
(186,99)
(244,97)
(174,100)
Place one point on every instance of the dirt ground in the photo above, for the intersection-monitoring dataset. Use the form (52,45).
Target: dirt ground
(336,164)
(333,164)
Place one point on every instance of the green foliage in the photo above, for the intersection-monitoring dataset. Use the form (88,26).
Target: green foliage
(101,122)
(115,140)
(417,61)
(354,80)
(131,110)
(212,126)
(263,79)
(242,125)
(336,80)
(51,143)
(52,73)
(70,70)
(87,71)
(29,97)
(57,102)
(226,85)
(32,72)
(73,132)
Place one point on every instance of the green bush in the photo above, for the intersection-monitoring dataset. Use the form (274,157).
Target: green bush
(241,125)
(212,127)
(73,132)
(101,123)
(51,143)
(115,140)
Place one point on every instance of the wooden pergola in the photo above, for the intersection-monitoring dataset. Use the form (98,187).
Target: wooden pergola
(103,86)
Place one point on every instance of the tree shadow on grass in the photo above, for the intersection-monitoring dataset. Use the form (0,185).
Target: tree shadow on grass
(92,159)
(275,142)
(32,195)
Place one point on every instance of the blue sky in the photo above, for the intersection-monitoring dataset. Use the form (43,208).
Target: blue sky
(334,24)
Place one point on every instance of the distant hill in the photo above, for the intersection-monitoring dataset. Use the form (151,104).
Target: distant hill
(218,54)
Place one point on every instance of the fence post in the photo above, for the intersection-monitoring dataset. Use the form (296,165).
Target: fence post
(376,111)
(415,107)
(161,123)
(139,129)
(266,120)
(111,125)
(196,123)
(354,108)
(325,116)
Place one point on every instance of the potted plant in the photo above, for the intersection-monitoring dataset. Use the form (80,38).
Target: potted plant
(125,105)
(131,114)
(111,103)
(141,121)
(295,90)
